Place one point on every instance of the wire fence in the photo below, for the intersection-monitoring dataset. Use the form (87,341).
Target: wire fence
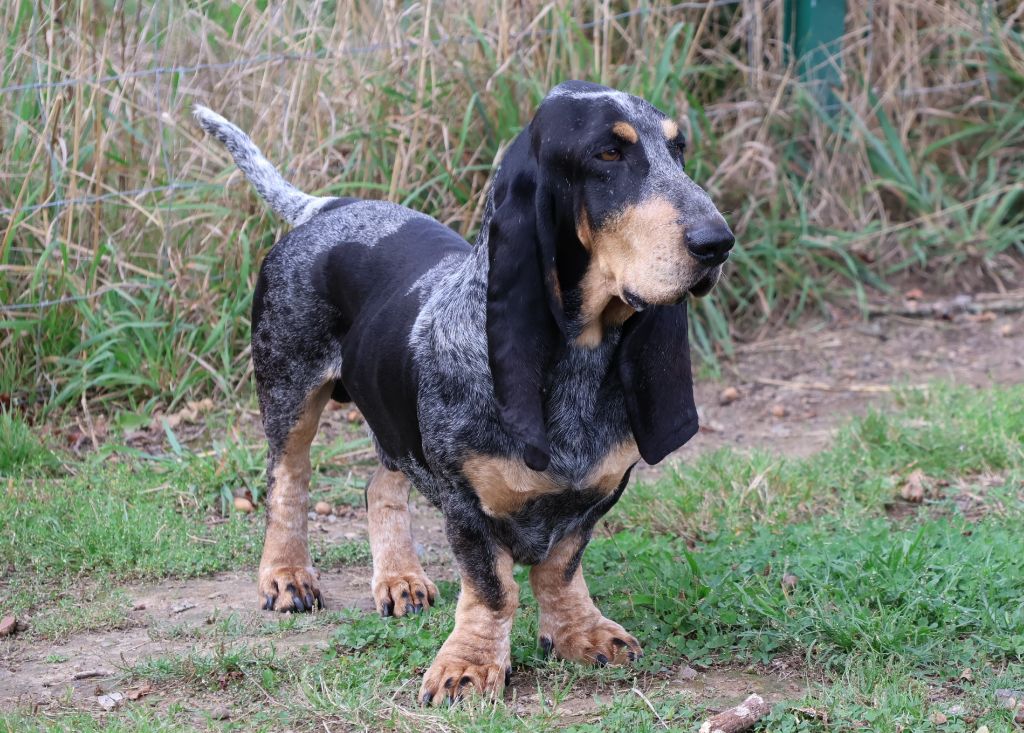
(326,55)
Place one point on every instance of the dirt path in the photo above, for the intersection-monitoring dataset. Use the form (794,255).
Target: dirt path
(792,394)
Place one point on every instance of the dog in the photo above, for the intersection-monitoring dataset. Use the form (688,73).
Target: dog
(514,382)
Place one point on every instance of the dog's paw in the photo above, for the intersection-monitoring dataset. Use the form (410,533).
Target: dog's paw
(451,677)
(597,640)
(289,588)
(396,594)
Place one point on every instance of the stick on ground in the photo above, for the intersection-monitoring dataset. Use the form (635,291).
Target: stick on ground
(740,718)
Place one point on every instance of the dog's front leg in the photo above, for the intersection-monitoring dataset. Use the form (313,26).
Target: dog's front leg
(477,654)
(571,626)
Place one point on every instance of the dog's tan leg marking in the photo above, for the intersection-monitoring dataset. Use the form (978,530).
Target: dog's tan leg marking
(399,584)
(570,624)
(476,657)
(287,579)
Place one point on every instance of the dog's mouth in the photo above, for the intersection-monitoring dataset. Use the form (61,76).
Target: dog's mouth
(707,283)
(699,289)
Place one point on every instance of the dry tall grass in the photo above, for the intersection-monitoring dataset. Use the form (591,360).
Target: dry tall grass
(144,296)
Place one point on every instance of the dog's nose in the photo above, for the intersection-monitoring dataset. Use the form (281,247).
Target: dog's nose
(710,244)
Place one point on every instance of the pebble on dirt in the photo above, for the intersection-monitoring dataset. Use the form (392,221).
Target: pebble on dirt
(8,625)
(323,508)
(778,410)
(789,581)
(728,395)
(243,505)
(913,489)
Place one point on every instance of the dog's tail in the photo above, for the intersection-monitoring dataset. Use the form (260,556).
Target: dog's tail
(288,202)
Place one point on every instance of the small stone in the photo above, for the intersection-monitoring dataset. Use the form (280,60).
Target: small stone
(140,606)
(331,519)
(728,395)
(687,673)
(323,508)
(1009,699)
(220,713)
(982,729)
(1019,715)
(956,710)
(938,718)
(243,505)
(789,581)
(8,625)
(778,410)
(110,701)
(1006,330)
(312,515)
(913,491)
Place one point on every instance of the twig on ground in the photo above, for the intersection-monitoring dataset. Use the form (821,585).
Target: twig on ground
(643,697)
(740,718)
(825,387)
(1012,302)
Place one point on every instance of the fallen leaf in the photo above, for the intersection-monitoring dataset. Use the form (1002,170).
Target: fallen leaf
(141,691)
(182,606)
(913,489)
(967,674)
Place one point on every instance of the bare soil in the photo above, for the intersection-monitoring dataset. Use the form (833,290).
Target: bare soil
(792,392)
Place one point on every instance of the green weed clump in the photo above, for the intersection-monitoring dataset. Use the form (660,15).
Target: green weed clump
(137,291)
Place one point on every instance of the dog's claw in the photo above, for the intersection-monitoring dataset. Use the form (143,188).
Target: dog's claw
(546,646)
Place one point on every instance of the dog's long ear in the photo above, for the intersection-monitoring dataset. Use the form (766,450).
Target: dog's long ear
(654,366)
(524,316)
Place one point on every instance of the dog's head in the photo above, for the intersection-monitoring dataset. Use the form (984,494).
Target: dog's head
(593,218)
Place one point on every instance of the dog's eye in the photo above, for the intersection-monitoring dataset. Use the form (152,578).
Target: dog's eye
(610,155)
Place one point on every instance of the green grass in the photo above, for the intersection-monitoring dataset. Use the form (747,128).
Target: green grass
(881,617)
(143,302)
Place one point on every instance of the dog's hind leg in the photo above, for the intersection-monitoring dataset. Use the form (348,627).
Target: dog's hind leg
(287,579)
(399,584)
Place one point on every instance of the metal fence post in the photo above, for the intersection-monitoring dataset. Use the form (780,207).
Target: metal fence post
(813,33)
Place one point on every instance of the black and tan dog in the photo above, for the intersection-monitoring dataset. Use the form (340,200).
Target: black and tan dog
(514,383)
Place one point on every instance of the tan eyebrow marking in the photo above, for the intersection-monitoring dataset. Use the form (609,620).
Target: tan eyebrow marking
(625,131)
(670,128)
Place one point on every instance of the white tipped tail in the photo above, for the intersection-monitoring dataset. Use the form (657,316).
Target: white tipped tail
(288,202)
